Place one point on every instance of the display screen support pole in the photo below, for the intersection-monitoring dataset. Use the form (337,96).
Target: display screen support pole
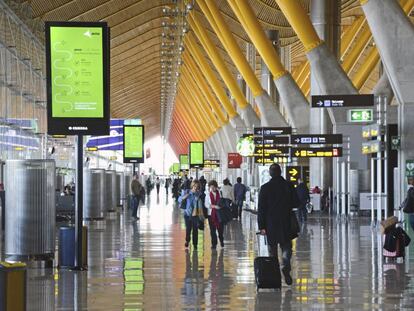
(197,173)
(79,204)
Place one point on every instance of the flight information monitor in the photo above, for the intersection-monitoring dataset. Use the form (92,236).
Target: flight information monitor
(77,67)
(196,152)
(133,144)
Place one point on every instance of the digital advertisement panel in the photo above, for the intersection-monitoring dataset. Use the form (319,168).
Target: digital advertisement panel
(196,154)
(133,144)
(77,64)
(184,165)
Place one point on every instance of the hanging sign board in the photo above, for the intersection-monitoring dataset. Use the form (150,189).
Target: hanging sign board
(133,144)
(184,165)
(372,146)
(234,160)
(245,146)
(338,101)
(77,67)
(293,174)
(360,115)
(211,164)
(409,168)
(272,131)
(317,152)
(306,139)
(196,154)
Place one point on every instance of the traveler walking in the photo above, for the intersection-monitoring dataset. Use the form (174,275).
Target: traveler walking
(239,195)
(408,204)
(212,201)
(192,205)
(158,185)
(276,199)
(303,196)
(136,189)
(227,191)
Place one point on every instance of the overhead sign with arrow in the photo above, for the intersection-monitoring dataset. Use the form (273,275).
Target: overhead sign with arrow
(293,174)
(306,139)
(338,101)
(360,115)
(316,152)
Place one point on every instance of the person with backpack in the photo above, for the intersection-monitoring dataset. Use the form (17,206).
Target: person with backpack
(276,201)
(212,205)
(239,195)
(190,201)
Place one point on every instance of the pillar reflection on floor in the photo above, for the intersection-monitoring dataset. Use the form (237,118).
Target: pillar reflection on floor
(143,265)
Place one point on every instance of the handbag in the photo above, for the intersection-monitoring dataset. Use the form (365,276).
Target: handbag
(294,226)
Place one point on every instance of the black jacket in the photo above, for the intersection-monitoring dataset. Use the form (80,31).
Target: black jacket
(303,193)
(276,200)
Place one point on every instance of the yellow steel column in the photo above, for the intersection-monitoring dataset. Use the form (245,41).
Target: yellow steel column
(198,120)
(210,76)
(218,62)
(191,120)
(190,117)
(250,23)
(357,50)
(300,22)
(213,15)
(366,69)
(350,34)
(181,113)
(191,66)
(203,104)
(194,103)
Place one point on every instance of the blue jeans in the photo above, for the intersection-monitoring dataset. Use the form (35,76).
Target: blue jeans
(286,254)
(135,203)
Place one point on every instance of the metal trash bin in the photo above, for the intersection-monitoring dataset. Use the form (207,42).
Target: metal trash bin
(12,286)
(31,210)
(67,247)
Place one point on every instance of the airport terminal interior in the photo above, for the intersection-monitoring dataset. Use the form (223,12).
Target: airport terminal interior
(206,155)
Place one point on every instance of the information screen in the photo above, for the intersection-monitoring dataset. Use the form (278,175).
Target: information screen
(176,168)
(133,144)
(77,78)
(196,154)
(184,165)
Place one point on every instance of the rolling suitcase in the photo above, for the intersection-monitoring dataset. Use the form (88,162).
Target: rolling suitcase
(267,271)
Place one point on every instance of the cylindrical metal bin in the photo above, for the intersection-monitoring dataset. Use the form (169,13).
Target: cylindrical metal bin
(110,190)
(31,209)
(93,193)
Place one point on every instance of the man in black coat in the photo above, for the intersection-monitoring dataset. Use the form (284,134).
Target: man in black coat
(303,196)
(276,200)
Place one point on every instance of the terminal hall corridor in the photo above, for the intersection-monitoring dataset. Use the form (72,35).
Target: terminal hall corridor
(144,266)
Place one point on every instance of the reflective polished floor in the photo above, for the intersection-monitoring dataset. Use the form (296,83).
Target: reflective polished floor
(337,265)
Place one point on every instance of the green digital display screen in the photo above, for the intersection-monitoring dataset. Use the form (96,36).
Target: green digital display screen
(133,144)
(77,72)
(176,168)
(184,165)
(196,154)
(77,76)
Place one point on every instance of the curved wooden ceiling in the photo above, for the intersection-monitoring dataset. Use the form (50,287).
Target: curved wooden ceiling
(136,28)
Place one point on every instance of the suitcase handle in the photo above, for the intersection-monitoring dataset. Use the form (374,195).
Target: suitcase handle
(258,234)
